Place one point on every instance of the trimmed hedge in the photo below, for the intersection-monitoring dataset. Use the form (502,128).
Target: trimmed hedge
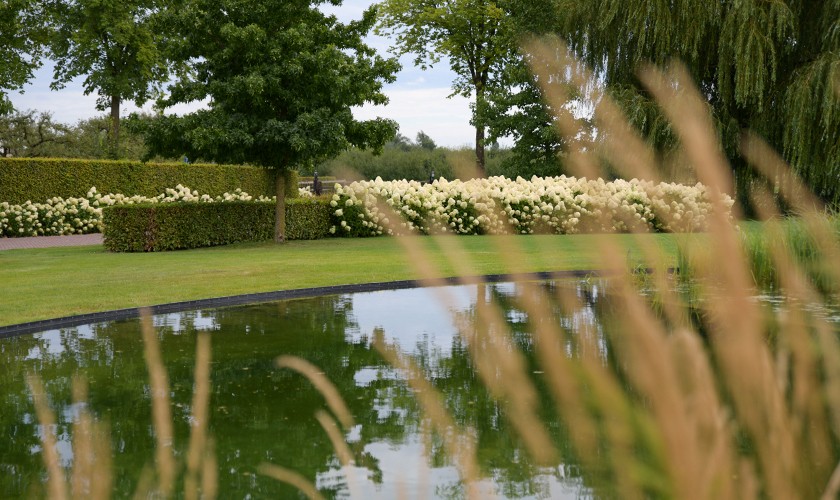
(176,226)
(307,218)
(39,179)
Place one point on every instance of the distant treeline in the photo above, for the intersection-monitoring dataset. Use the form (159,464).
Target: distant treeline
(33,134)
(422,158)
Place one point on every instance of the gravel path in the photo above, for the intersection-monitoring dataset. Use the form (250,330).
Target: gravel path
(75,240)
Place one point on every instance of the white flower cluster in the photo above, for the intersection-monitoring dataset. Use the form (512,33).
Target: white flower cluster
(497,205)
(60,216)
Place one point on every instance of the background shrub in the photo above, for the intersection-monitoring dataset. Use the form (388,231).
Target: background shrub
(38,179)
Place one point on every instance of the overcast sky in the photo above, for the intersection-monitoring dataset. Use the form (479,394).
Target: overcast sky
(418,99)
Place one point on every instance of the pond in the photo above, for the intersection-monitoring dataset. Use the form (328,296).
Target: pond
(264,414)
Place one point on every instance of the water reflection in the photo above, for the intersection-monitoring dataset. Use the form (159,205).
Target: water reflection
(263,414)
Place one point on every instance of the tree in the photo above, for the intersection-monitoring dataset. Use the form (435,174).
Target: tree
(32,134)
(35,134)
(116,45)
(768,66)
(425,142)
(515,107)
(21,45)
(400,142)
(280,77)
(473,34)
(91,139)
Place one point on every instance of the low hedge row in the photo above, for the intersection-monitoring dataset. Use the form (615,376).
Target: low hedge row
(37,179)
(177,226)
(307,218)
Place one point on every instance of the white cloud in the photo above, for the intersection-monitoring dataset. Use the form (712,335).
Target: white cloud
(445,120)
(66,106)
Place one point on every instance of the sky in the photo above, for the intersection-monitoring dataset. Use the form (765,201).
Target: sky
(418,99)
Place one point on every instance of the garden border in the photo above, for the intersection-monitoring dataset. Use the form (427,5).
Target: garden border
(298,293)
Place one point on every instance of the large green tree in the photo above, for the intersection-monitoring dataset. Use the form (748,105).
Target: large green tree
(474,35)
(280,78)
(116,45)
(515,108)
(771,66)
(22,35)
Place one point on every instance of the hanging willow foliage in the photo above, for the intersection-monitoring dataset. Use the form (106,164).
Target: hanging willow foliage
(772,66)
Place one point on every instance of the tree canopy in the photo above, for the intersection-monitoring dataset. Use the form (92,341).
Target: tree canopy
(769,66)
(22,40)
(279,78)
(474,35)
(115,45)
(515,107)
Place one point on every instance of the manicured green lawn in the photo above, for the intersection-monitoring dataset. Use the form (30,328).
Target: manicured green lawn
(47,283)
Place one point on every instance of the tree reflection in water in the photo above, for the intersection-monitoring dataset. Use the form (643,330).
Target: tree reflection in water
(262,414)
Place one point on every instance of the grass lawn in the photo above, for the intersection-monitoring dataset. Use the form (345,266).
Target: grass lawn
(53,282)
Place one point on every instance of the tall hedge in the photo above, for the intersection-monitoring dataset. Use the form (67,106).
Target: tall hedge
(39,179)
(175,226)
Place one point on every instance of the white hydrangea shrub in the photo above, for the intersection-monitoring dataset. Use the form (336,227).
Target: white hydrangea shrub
(496,205)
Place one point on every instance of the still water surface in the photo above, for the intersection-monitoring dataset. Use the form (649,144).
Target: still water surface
(264,414)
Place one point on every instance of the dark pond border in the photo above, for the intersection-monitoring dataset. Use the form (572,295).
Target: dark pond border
(252,298)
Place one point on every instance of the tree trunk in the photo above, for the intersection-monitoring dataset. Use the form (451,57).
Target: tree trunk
(114,135)
(479,150)
(479,131)
(280,206)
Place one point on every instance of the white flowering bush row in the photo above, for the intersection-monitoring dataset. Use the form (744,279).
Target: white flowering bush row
(561,205)
(62,216)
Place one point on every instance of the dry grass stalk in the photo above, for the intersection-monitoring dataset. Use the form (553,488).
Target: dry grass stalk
(91,476)
(210,471)
(334,400)
(56,482)
(799,370)
(682,437)
(83,456)
(345,456)
(292,478)
(644,347)
(746,365)
(161,407)
(625,147)
(811,211)
(504,371)
(197,452)
(500,365)
(145,485)
(459,444)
